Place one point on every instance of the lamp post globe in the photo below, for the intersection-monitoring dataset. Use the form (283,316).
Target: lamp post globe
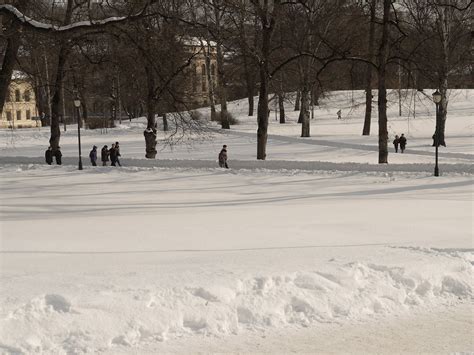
(437,97)
(77,104)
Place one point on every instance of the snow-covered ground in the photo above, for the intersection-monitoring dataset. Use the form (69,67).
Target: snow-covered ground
(317,249)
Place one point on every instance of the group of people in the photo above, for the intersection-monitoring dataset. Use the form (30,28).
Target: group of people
(400,141)
(49,154)
(113,153)
(106,154)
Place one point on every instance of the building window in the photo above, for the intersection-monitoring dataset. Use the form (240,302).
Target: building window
(7,98)
(18,115)
(203,69)
(28,114)
(27,95)
(213,69)
(9,115)
(203,85)
(17,95)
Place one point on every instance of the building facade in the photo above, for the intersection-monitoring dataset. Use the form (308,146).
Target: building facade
(19,110)
(198,89)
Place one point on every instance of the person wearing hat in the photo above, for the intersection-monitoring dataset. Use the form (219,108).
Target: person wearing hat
(104,155)
(93,156)
(223,157)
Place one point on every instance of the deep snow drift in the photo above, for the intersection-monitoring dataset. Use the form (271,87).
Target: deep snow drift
(316,246)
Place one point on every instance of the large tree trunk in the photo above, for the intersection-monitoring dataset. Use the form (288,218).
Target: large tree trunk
(267,22)
(56,100)
(64,51)
(150,132)
(368,73)
(382,94)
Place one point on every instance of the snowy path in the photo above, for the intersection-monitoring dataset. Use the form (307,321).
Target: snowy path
(342,145)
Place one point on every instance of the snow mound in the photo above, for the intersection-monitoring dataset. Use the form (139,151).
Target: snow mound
(124,318)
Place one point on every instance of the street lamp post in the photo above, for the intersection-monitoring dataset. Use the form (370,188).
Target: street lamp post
(77,104)
(437,100)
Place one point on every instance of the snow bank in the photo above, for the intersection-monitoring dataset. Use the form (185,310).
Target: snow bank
(121,318)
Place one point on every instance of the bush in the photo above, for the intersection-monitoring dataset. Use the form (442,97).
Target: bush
(232,120)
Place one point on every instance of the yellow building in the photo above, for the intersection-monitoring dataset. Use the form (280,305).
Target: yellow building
(20,104)
(198,90)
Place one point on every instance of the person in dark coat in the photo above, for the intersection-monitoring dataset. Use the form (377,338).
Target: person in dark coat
(104,155)
(403,142)
(396,142)
(117,153)
(48,156)
(58,155)
(223,157)
(93,156)
(113,155)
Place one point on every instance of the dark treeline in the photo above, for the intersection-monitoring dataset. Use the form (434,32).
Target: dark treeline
(125,59)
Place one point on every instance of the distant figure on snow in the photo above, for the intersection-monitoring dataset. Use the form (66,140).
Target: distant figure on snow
(113,155)
(93,156)
(396,142)
(223,157)
(403,143)
(48,156)
(339,113)
(58,155)
(117,155)
(104,155)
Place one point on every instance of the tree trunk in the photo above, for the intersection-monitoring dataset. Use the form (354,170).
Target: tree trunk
(382,94)
(13,44)
(165,123)
(64,51)
(250,83)
(281,106)
(150,131)
(221,82)
(297,101)
(304,113)
(262,114)
(56,100)
(212,103)
(368,73)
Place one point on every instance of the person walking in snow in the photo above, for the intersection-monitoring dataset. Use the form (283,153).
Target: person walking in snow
(396,142)
(93,156)
(113,155)
(48,156)
(117,153)
(339,113)
(223,157)
(104,155)
(403,143)
(58,155)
